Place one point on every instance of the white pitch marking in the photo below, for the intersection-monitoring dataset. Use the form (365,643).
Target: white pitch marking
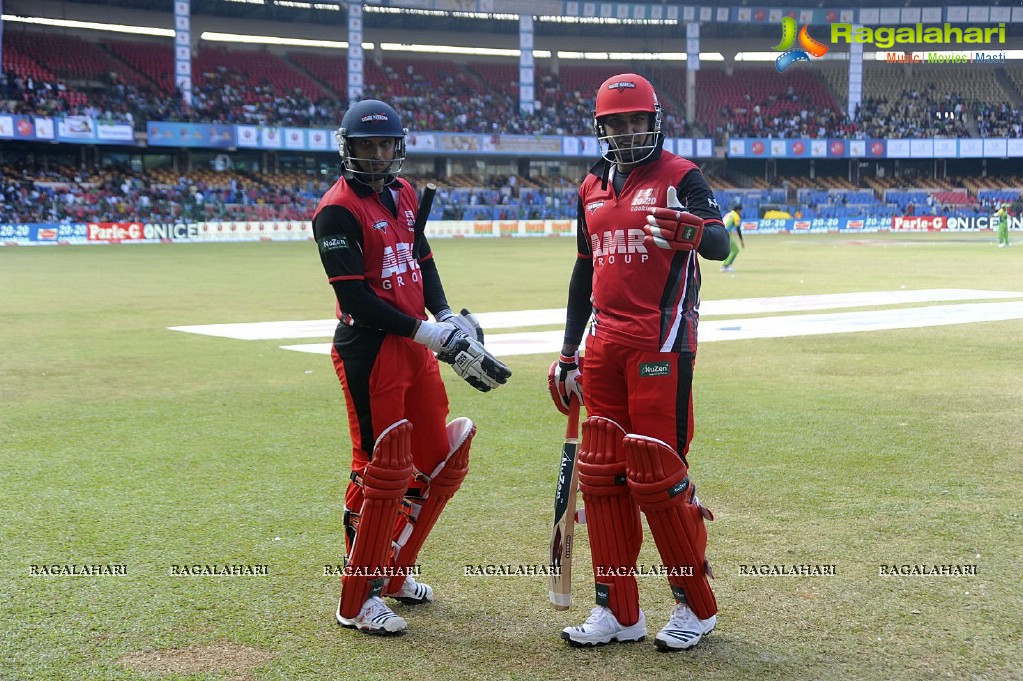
(834,301)
(542,342)
(851,322)
(324,328)
(313,328)
(536,342)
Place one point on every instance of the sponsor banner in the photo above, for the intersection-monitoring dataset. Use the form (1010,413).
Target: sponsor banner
(752,147)
(419,142)
(117,232)
(588,147)
(294,138)
(300,230)
(322,140)
(115,133)
(76,128)
(45,129)
(189,135)
(270,138)
(65,129)
(974,222)
(247,135)
(451,142)
(918,223)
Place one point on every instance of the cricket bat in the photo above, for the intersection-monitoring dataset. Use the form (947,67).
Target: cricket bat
(422,215)
(563,532)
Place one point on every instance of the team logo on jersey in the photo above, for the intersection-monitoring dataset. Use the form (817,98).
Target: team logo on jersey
(643,199)
(380,224)
(333,243)
(591,207)
(714,203)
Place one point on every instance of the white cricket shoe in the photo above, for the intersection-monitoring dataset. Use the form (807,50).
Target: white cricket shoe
(412,592)
(374,618)
(684,629)
(602,627)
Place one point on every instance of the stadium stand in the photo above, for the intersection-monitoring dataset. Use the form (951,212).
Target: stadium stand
(49,73)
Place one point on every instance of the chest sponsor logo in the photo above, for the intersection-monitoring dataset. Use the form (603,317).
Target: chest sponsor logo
(398,267)
(410,218)
(333,243)
(593,206)
(643,199)
(618,242)
(654,369)
(380,224)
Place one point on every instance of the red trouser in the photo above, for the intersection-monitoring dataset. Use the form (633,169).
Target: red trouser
(644,391)
(382,385)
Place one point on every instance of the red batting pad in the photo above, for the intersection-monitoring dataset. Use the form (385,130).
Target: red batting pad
(612,517)
(659,482)
(437,490)
(384,482)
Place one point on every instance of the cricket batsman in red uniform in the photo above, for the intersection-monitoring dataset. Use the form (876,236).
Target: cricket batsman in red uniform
(406,463)
(644,216)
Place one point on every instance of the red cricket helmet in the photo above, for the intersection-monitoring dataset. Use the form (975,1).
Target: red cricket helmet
(622,94)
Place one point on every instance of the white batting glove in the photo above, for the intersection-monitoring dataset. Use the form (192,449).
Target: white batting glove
(441,337)
(476,366)
(465,321)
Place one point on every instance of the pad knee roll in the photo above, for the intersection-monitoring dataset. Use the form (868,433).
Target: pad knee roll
(425,501)
(659,482)
(612,517)
(384,481)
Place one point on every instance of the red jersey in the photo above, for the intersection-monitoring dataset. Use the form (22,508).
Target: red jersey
(643,297)
(369,243)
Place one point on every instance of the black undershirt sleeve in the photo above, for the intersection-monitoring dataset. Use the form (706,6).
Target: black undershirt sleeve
(699,200)
(433,289)
(580,286)
(368,310)
(339,238)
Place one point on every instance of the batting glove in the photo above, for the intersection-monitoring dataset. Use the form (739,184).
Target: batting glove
(476,366)
(673,227)
(564,380)
(440,337)
(465,321)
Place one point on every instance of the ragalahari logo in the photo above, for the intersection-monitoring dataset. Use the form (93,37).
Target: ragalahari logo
(807,46)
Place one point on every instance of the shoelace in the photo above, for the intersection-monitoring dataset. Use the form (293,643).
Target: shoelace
(681,616)
(596,615)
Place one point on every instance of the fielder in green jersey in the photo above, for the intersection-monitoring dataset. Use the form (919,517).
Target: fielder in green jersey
(733,221)
(1003,225)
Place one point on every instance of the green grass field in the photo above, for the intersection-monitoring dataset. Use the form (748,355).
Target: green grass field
(126,443)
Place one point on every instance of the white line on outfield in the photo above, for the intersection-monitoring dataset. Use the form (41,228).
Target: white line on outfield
(547,342)
(324,328)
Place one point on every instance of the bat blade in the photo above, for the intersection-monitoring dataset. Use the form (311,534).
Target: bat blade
(422,215)
(563,530)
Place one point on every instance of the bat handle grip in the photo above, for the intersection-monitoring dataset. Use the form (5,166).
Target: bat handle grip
(572,429)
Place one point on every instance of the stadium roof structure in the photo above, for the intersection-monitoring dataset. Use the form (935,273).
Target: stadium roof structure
(400,17)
